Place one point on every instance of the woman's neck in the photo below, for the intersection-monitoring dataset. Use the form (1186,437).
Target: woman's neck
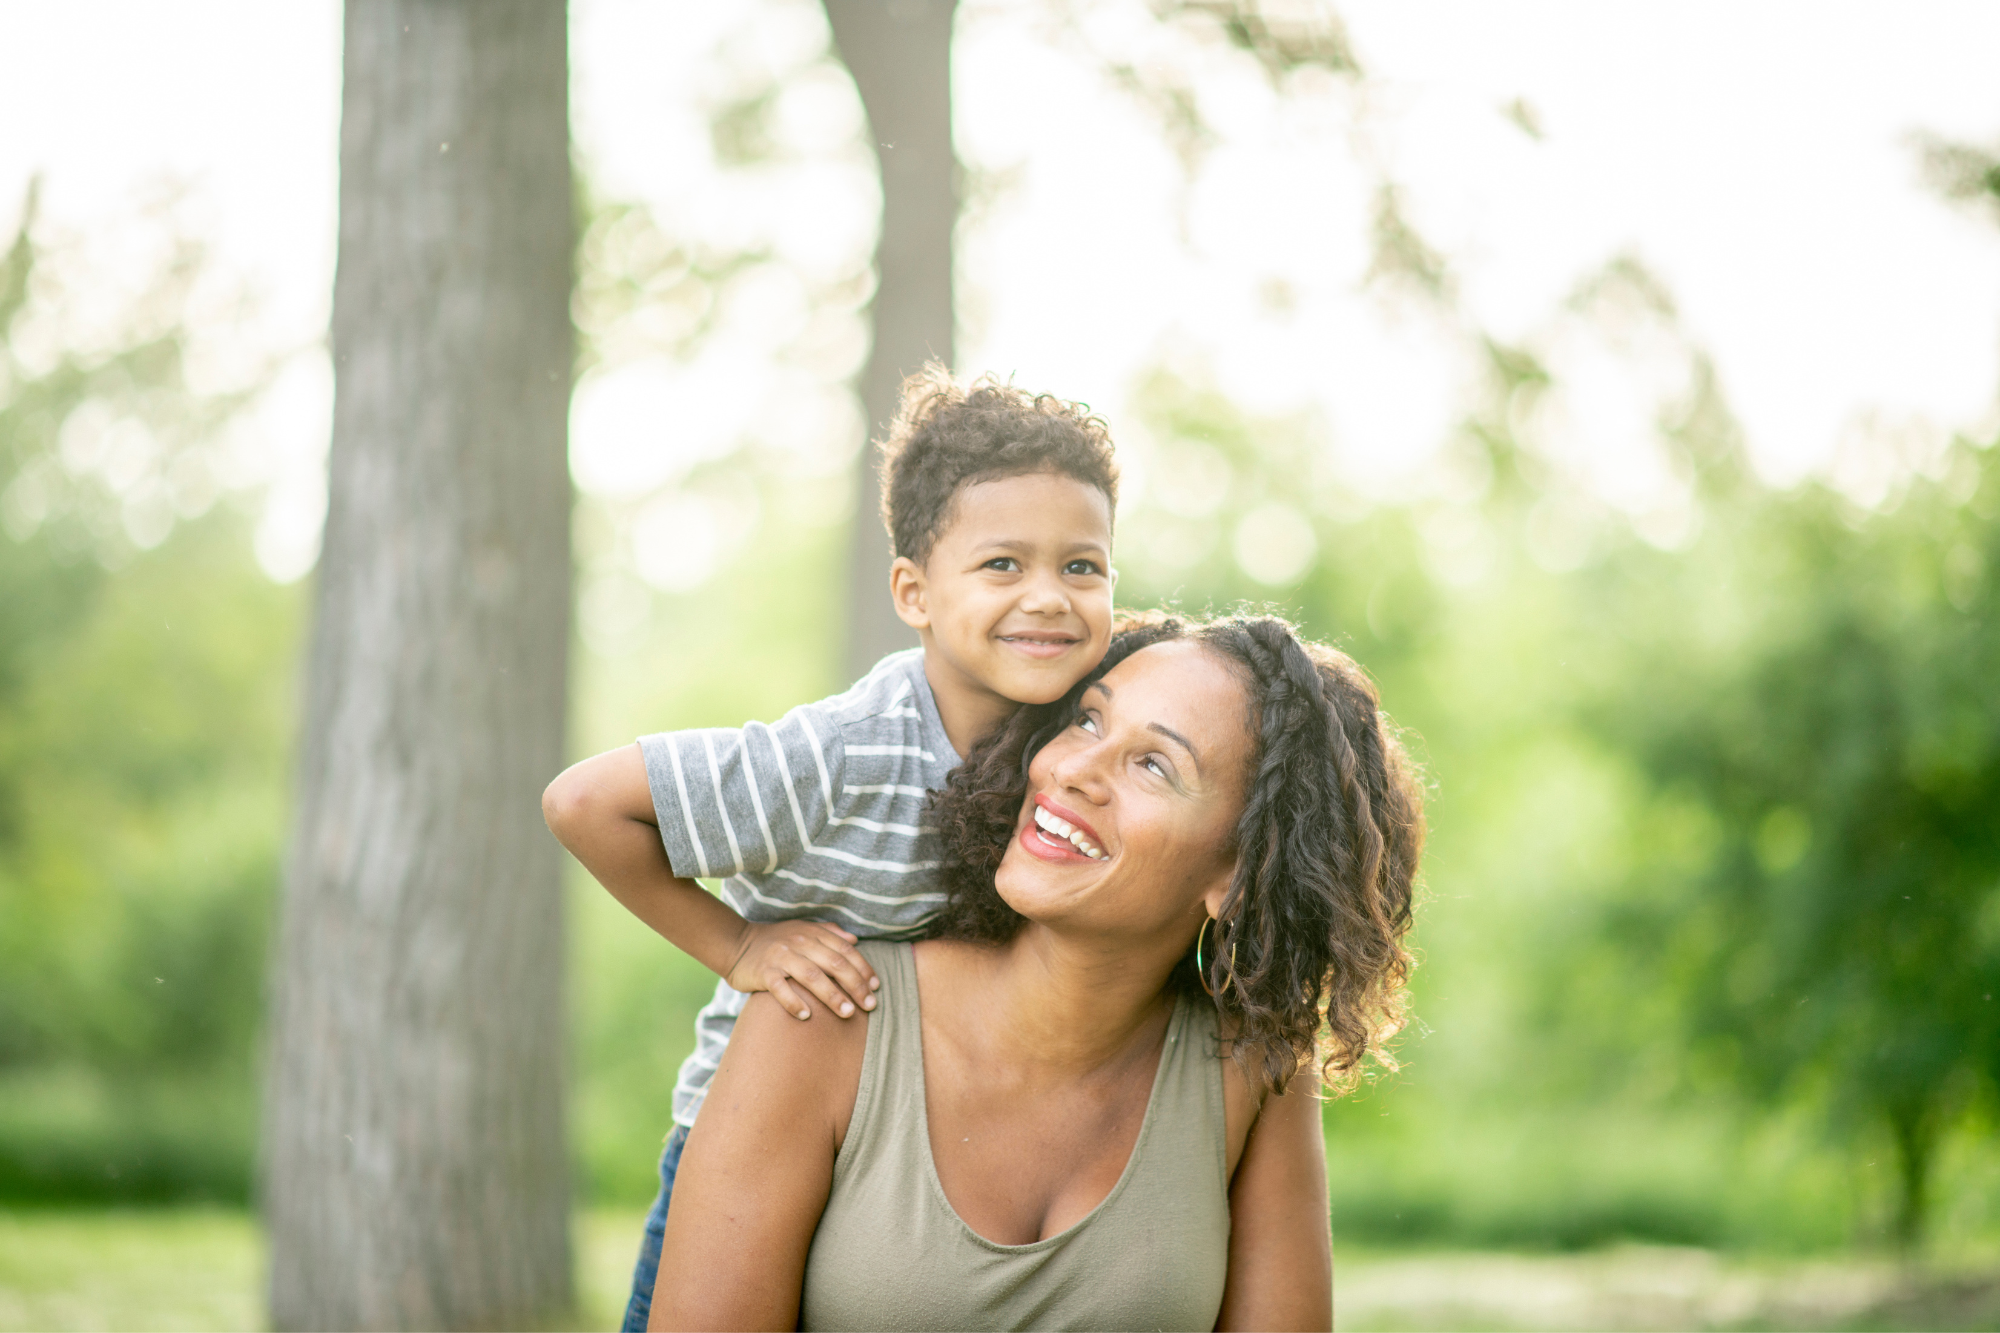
(1043,1001)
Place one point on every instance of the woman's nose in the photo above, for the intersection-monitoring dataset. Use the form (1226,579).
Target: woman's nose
(1085,771)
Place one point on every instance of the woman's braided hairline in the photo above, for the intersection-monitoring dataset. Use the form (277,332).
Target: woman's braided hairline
(1307,957)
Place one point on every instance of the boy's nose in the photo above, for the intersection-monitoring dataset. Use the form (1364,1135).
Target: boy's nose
(1046,596)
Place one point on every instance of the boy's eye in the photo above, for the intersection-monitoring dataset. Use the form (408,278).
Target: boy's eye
(1006,564)
(1082,568)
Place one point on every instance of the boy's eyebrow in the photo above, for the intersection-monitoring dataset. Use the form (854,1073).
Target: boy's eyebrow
(1159,727)
(991,543)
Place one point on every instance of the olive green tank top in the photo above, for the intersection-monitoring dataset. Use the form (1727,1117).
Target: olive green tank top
(891,1253)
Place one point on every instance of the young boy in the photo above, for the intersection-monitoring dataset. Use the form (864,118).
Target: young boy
(999,505)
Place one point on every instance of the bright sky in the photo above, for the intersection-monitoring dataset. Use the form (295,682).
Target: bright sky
(1757,158)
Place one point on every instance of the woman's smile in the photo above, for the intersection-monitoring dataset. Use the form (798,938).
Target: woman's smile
(1058,834)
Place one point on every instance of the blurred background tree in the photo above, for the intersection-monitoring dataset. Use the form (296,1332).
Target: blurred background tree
(1688,757)
(416,1164)
(900,58)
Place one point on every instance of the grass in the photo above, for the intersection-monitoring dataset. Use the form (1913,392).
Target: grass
(172,1269)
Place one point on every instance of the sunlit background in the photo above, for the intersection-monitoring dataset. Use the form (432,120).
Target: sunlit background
(1606,378)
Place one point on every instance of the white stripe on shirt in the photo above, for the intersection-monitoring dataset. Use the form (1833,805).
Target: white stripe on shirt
(863,863)
(845,891)
(909,751)
(912,830)
(880,927)
(757,801)
(722,806)
(819,762)
(687,807)
(792,796)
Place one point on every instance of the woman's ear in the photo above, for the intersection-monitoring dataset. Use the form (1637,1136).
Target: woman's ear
(908,593)
(1212,899)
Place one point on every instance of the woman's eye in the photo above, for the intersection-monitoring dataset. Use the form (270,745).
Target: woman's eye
(1159,769)
(1087,723)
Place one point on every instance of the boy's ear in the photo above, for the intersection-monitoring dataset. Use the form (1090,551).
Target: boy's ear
(907,592)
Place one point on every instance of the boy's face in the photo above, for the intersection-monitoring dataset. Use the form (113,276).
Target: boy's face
(1015,600)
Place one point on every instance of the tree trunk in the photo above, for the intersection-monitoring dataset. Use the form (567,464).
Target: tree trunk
(415,1167)
(899,52)
(1913,1122)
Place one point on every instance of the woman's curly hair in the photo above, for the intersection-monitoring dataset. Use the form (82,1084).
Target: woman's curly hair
(1307,957)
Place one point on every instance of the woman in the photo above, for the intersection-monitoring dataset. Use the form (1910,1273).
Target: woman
(1048,1121)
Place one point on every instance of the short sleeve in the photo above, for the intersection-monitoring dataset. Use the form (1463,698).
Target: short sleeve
(749,799)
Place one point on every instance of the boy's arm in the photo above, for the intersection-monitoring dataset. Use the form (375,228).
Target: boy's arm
(602,810)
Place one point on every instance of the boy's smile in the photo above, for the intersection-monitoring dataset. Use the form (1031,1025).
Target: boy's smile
(1014,603)
(1040,643)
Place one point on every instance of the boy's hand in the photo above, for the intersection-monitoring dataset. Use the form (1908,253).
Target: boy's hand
(791,958)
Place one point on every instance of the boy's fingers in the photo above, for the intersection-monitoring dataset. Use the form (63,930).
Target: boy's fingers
(848,968)
(788,995)
(820,984)
(852,956)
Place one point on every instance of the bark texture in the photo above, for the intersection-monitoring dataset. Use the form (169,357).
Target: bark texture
(899,52)
(415,1166)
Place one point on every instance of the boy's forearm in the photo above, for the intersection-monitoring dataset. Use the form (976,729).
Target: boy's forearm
(688,916)
(600,809)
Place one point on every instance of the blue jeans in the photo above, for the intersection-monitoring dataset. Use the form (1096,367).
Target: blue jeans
(647,1270)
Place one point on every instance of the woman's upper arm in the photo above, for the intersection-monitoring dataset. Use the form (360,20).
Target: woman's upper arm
(1280,1244)
(756,1172)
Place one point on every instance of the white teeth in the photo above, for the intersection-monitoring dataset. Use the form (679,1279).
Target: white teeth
(1063,829)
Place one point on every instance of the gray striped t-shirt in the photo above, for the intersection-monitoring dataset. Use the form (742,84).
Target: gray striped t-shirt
(817,817)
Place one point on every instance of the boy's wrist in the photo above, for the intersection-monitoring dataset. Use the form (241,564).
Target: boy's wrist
(746,932)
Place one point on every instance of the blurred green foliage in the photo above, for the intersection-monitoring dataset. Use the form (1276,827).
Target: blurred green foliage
(144,688)
(1708,949)
(1821,739)
(1711,893)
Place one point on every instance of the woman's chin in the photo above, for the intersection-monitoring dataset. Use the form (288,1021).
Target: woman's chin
(1023,883)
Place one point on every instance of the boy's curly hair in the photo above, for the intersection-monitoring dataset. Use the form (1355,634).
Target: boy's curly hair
(1308,955)
(949,435)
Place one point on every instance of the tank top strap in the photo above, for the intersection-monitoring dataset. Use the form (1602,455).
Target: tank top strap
(1185,1129)
(889,1104)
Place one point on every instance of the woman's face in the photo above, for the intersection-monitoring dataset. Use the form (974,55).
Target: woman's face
(1132,808)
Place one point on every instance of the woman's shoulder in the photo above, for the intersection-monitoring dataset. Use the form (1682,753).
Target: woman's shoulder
(812,1066)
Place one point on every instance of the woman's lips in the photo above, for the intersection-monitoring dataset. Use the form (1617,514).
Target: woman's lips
(1059,845)
(1071,818)
(1046,847)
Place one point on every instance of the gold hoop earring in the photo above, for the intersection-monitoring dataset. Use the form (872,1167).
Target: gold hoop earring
(1200,971)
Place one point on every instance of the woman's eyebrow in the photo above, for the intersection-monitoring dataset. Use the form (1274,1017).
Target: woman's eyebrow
(1161,728)
(1179,740)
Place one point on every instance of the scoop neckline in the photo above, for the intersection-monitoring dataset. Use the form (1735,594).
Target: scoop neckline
(1174,1020)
